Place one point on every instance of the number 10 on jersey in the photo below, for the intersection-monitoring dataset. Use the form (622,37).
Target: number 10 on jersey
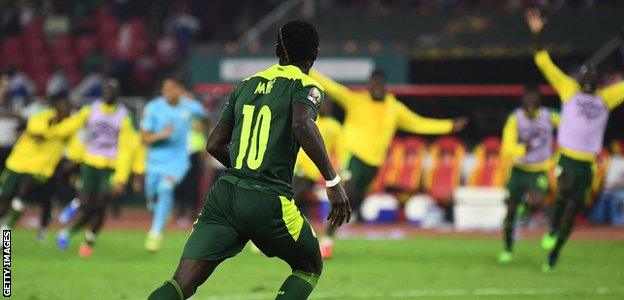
(259,137)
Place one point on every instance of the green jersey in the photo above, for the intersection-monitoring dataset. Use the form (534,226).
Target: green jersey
(263,148)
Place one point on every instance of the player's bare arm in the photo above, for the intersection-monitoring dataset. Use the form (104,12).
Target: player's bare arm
(149,138)
(459,124)
(310,139)
(536,23)
(219,143)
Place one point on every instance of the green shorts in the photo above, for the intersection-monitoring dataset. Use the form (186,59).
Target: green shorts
(235,213)
(93,180)
(361,175)
(521,181)
(574,178)
(11,180)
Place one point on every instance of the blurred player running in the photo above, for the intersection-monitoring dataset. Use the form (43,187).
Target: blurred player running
(166,123)
(267,117)
(371,119)
(306,173)
(35,156)
(584,115)
(527,142)
(105,163)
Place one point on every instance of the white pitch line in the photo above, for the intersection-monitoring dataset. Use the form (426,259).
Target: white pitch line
(414,294)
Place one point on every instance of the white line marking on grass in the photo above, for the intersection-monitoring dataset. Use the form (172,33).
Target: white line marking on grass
(413,294)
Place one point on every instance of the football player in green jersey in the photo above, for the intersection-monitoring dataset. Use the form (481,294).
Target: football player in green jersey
(266,119)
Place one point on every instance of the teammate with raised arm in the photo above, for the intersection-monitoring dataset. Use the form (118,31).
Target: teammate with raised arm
(584,114)
(372,118)
(266,119)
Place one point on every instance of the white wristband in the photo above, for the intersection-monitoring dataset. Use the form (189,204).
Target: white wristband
(334,182)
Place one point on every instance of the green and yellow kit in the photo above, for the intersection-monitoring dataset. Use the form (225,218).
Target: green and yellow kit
(252,200)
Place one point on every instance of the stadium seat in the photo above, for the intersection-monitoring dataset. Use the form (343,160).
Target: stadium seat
(62,46)
(73,76)
(86,45)
(35,46)
(69,61)
(34,29)
(41,80)
(12,45)
(17,59)
(403,168)
(39,63)
(488,170)
(447,155)
(107,29)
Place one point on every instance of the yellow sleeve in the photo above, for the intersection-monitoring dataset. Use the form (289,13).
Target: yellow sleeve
(565,85)
(555,118)
(340,93)
(511,148)
(75,149)
(39,124)
(140,154)
(70,125)
(125,150)
(414,123)
(613,95)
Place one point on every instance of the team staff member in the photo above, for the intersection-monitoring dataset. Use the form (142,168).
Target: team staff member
(105,162)
(35,156)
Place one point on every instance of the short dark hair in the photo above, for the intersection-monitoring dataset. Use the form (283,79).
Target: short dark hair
(58,96)
(177,77)
(112,82)
(379,73)
(297,41)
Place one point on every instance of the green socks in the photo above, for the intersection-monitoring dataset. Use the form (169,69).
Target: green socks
(298,285)
(170,290)
(14,215)
(508,229)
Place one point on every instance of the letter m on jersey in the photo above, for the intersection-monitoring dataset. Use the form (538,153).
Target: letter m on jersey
(264,88)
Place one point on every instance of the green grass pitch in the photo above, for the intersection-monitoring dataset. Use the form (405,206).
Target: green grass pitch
(414,268)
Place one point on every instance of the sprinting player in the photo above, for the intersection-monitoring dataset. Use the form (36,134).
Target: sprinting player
(306,173)
(73,154)
(527,142)
(265,121)
(105,163)
(371,119)
(34,157)
(584,114)
(165,127)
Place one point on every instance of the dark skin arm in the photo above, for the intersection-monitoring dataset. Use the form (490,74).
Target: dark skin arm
(310,139)
(536,23)
(219,143)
